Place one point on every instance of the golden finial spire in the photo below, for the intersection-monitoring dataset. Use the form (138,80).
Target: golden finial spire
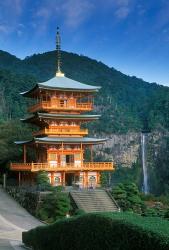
(58,51)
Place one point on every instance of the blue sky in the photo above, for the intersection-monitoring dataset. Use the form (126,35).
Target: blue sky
(129,35)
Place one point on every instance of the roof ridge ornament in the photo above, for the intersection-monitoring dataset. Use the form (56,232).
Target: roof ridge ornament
(58,51)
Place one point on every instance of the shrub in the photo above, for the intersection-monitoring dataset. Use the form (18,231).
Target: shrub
(55,206)
(42,181)
(109,231)
(128,197)
(79,212)
(27,199)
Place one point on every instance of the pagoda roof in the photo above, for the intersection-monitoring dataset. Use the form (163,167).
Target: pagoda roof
(62,83)
(37,116)
(66,140)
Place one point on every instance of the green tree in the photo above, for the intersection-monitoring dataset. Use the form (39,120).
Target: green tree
(55,206)
(128,197)
(42,180)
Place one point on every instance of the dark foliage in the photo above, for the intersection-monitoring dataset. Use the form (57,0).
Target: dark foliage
(55,206)
(128,197)
(117,231)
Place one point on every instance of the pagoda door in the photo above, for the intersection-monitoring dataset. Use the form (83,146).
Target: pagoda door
(92,179)
(69,159)
(63,103)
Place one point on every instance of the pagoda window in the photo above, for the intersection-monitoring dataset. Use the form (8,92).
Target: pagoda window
(69,159)
(53,124)
(63,103)
(78,160)
(52,157)
(73,123)
(52,148)
(63,124)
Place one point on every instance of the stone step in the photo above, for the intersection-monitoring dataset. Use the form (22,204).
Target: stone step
(94,200)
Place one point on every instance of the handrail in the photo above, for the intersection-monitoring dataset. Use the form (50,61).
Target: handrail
(62,167)
(49,105)
(64,127)
(64,131)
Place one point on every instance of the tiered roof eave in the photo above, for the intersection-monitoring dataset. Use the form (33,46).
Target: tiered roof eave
(50,116)
(65,140)
(62,84)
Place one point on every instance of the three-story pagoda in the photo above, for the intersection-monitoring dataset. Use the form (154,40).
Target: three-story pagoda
(60,142)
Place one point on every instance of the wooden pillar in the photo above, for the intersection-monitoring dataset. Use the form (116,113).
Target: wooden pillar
(91,153)
(24,153)
(86,179)
(81,154)
(63,178)
(37,155)
(61,154)
(52,179)
(98,178)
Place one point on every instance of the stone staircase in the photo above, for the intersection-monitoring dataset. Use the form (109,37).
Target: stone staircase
(97,200)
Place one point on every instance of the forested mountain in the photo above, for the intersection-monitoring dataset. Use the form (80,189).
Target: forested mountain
(127,105)
(125,102)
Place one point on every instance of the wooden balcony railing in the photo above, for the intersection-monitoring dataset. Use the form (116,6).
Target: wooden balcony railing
(61,131)
(21,166)
(50,106)
(85,166)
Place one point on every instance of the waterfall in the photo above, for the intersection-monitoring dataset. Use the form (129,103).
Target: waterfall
(144,163)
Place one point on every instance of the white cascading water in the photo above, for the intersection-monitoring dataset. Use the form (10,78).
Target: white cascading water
(144,163)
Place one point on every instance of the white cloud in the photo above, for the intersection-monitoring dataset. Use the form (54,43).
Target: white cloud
(123,8)
(76,12)
(73,13)
(4,29)
(122,12)
(10,12)
(44,12)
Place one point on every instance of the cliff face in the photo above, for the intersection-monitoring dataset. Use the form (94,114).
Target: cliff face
(122,149)
(125,149)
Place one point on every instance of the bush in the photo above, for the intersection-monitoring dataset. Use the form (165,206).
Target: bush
(55,206)
(128,197)
(43,182)
(109,231)
(79,212)
(27,199)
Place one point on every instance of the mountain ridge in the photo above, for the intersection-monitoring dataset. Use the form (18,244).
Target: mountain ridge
(125,102)
(27,58)
(127,106)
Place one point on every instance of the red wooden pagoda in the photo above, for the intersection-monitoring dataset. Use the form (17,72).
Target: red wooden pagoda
(60,142)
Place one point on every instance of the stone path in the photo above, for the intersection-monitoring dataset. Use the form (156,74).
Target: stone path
(13,221)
